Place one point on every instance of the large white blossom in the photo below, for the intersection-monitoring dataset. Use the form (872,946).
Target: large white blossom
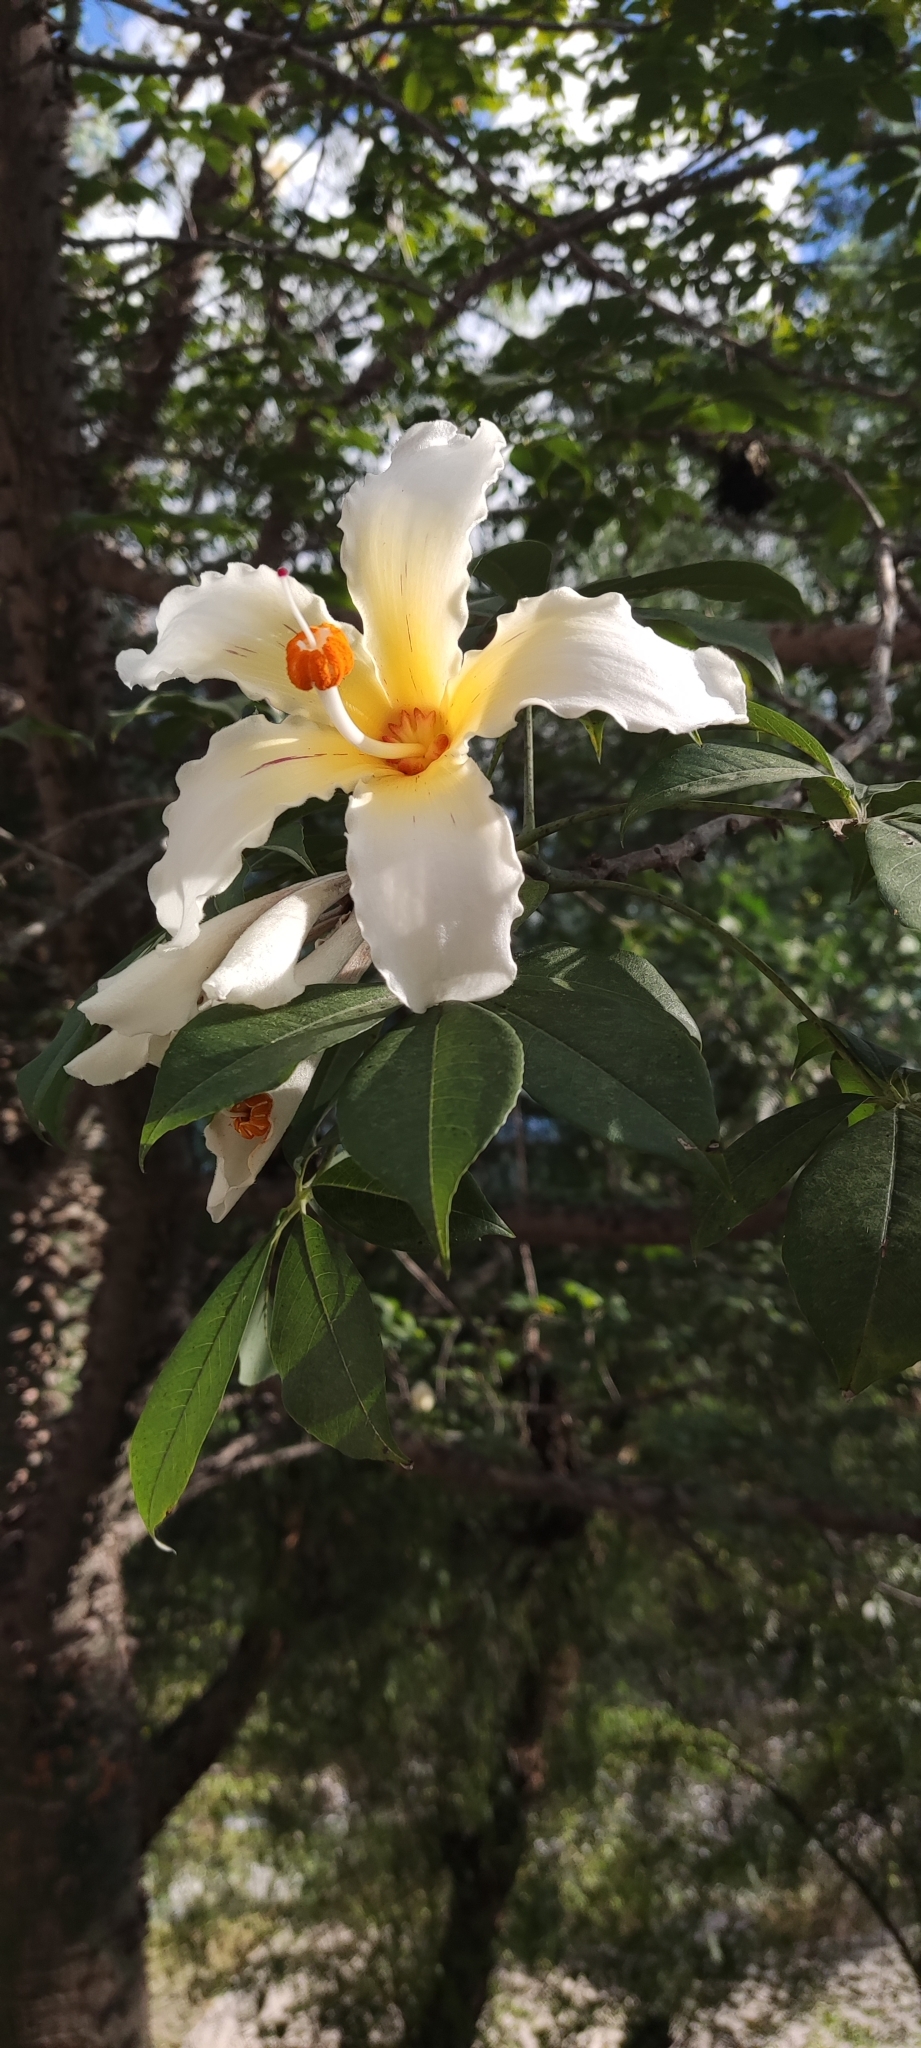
(253,955)
(388,716)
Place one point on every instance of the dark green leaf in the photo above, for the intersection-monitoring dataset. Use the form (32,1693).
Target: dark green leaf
(335,1063)
(531,896)
(326,1345)
(695,774)
(761,1163)
(893,796)
(521,569)
(602,1051)
(43,1085)
(744,636)
(648,976)
(765,719)
(749,583)
(851,1247)
(357,1202)
(232,1051)
(894,847)
(256,1361)
(186,1397)
(421,1107)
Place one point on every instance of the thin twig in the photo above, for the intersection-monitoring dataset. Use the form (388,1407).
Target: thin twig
(99,886)
(880,719)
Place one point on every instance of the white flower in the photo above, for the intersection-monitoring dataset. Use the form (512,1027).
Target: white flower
(247,955)
(388,716)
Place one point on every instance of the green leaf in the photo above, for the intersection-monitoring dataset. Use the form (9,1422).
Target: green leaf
(594,723)
(186,1397)
(738,582)
(334,1065)
(25,730)
(326,1345)
(520,569)
(43,1085)
(531,896)
(761,1163)
(742,635)
(648,976)
(894,847)
(765,719)
(256,1361)
(691,775)
(812,1040)
(893,796)
(602,1051)
(232,1051)
(421,1107)
(418,92)
(357,1202)
(851,1247)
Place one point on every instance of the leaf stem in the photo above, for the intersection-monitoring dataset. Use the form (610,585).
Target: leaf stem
(559,882)
(528,809)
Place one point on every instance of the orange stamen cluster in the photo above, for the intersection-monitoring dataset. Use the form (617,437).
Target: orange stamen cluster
(320,667)
(252,1118)
(422,729)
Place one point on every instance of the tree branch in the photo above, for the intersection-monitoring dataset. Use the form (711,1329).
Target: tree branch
(880,718)
(176,1757)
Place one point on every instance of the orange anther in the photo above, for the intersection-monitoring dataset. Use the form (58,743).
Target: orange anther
(320,667)
(422,729)
(253,1117)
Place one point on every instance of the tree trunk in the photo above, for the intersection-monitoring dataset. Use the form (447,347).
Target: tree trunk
(71,1904)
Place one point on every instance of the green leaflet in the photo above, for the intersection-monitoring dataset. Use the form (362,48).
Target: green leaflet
(738,582)
(692,775)
(418,1111)
(894,847)
(44,1086)
(326,1345)
(603,1051)
(188,1393)
(357,1202)
(761,1163)
(233,1051)
(851,1247)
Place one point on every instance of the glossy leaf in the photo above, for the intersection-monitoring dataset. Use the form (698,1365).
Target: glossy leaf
(334,1064)
(255,1356)
(44,1086)
(326,1344)
(765,719)
(894,847)
(690,775)
(418,1111)
(189,1391)
(765,1159)
(602,1051)
(742,636)
(521,569)
(357,1202)
(750,583)
(851,1247)
(233,1051)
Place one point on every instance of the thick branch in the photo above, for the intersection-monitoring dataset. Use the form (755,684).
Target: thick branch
(827,645)
(880,719)
(178,1755)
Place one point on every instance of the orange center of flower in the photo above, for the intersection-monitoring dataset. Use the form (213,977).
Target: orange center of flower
(320,667)
(422,729)
(253,1117)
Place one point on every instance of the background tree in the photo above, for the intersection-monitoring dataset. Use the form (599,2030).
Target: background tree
(579,226)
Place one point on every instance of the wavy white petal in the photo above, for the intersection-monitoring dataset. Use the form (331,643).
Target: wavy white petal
(236,623)
(435,880)
(575,654)
(406,552)
(263,967)
(230,799)
(112,1058)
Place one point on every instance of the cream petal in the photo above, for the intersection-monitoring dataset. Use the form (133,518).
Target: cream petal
(240,1159)
(406,551)
(112,1058)
(435,881)
(236,623)
(161,991)
(251,772)
(263,968)
(575,654)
